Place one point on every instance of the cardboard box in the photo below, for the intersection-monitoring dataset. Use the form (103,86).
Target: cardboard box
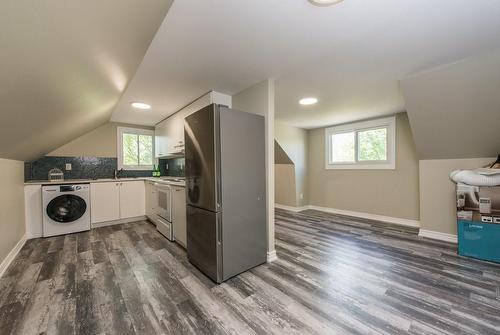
(481,204)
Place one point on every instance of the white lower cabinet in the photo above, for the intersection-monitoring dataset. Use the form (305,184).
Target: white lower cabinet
(33,211)
(151,200)
(132,199)
(179,215)
(104,202)
(112,201)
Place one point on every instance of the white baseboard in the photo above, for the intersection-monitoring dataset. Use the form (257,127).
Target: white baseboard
(399,221)
(271,256)
(435,235)
(291,208)
(11,255)
(122,221)
(389,219)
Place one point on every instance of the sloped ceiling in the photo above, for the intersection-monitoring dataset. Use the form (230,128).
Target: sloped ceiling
(350,56)
(454,110)
(280,156)
(64,66)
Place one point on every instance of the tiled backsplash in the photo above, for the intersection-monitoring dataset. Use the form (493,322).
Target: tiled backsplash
(175,167)
(81,168)
(93,168)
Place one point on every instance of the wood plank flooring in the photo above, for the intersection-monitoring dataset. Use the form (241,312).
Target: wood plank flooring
(335,275)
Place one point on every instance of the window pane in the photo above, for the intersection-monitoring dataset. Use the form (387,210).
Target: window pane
(130,149)
(145,150)
(372,145)
(342,149)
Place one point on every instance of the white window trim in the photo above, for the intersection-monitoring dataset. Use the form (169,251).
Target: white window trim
(139,131)
(389,164)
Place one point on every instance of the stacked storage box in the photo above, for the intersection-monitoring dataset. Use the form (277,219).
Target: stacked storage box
(478,212)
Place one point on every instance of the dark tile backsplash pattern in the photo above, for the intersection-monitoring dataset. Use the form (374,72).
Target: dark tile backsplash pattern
(95,168)
(86,168)
(175,167)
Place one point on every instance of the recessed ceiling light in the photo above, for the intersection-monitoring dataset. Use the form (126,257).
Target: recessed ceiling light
(325,2)
(308,101)
(140,105)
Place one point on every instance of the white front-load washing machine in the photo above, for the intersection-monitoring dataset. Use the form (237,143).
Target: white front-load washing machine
(66,209)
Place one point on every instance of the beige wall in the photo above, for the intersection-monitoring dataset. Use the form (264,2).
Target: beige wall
(280,156)
(455,109)
(284,185)
(259,99)
(12,227)
(294,141)
(100,142)
(65,66)
(393,193)
(437,192)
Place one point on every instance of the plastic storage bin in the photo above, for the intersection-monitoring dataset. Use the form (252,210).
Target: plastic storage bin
(479,240)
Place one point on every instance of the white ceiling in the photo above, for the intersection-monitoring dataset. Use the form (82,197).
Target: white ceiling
(64,65)
(351,56)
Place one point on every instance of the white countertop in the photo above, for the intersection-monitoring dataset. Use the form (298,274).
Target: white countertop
(162,180)
(165,180)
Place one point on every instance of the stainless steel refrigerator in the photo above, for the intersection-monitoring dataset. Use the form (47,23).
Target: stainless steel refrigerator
(225,191)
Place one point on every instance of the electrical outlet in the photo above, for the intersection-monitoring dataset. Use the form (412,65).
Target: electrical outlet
(68,167)
(301,196)
(486,219)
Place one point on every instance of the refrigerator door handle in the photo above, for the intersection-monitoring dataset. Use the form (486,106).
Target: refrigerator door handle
(219,232)
(220,262)
(217,146)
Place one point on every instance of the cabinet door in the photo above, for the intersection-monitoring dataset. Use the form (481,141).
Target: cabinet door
(33,210)
(161,133)
(147,186)
(150,200)
(104,202)
(179,215)
(132,199)
(175,136)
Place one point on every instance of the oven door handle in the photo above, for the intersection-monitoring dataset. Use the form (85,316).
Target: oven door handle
(163,186)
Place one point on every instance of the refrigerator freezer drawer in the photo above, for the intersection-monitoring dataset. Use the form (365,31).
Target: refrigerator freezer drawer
(479,240)
(203,242)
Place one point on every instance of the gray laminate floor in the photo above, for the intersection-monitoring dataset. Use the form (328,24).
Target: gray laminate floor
(335,275)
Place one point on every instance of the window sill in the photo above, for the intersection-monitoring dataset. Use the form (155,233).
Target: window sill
(361,166)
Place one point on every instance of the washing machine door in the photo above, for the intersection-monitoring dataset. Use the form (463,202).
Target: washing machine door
(66,208)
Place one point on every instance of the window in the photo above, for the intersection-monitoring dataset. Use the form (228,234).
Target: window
(362,145)
(135,149)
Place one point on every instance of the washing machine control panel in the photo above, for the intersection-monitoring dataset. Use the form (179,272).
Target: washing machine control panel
(72,188)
